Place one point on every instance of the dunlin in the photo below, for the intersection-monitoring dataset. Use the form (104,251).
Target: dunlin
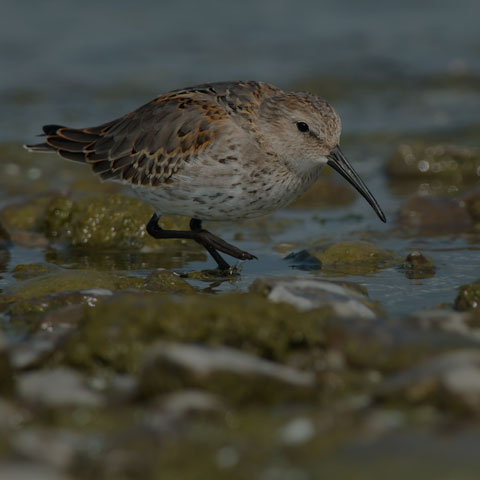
(220,151)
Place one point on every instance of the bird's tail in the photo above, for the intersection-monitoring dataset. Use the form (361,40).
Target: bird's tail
(70,143)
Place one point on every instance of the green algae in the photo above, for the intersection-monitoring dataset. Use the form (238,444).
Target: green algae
(417,266)
(353,258)
(116,331)
(107,221)
(468,297)
(29,216)
(162,280)
(72,280)
(31,270)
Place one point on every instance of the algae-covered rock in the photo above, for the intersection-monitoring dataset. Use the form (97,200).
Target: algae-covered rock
(29,216)
(162,280)
(468,297)
(453,163)
(117,330)
(72,280)
(31,270)
(434,215)
(352,258)
(417,266)
(107,221)
(237,375)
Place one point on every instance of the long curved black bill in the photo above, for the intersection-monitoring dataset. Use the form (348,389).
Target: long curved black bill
(338,162)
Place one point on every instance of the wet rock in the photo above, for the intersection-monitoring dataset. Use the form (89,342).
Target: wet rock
(417,266)
(351,258)
(453,163)
(434,216)
(162,280)
(325,193)
(450,381)
(468,297)
(56,301)
(57,387)
(52,446)
(72,280)
(117,330)
(40,345)
(31,270)
(306,294)
(225,371)
(28,216)
(22,470)
(463,323)
(113,221)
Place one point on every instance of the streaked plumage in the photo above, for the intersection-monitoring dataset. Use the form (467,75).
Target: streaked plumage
(218,151)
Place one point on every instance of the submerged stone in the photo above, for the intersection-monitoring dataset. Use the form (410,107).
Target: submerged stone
(417,266)
(31,270)
(72,280)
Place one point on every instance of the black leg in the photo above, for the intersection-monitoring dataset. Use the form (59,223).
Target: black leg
(211,242)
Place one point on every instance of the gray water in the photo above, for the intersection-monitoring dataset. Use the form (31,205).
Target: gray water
(393,70)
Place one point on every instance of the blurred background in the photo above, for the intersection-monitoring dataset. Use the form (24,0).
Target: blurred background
(397,66)
(390,389)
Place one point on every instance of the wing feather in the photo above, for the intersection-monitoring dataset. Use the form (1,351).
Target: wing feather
(151,144)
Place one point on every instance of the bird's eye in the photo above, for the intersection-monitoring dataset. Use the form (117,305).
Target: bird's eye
(302,126)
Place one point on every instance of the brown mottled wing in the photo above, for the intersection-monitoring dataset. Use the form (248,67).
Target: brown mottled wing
(149,145)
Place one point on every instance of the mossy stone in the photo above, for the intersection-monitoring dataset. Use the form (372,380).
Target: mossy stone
(353,258)
(106,221)
(29,216)
(468,297)
(31,270)
(72,280)
(164,281)
(117,330)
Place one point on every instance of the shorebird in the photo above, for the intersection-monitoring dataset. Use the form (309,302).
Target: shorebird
(219,151)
